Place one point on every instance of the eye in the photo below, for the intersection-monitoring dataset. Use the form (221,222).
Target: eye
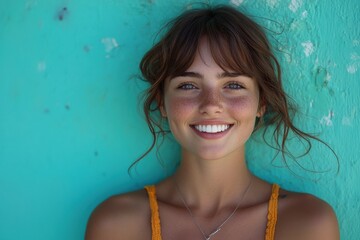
(186,86)
(234,85)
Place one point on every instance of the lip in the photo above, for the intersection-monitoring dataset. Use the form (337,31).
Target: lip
(211,122)
(211,136)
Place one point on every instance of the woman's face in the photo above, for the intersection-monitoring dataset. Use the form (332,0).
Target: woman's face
(211,112)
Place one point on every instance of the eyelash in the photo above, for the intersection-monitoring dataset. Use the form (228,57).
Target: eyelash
(238,85)
(190,86)
(186,86)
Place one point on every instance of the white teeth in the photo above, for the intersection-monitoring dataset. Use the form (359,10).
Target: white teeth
(212,128)
(208,128)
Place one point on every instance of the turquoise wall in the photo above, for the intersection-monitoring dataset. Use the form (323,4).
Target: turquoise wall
(70,123)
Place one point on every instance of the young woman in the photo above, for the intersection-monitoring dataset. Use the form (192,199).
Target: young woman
(214,81)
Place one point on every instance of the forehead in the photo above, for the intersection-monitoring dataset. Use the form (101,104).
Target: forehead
(203,57)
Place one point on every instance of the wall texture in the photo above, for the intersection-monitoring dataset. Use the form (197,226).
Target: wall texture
(70,124)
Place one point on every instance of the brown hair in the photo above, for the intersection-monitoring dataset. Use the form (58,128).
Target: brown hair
(237,43)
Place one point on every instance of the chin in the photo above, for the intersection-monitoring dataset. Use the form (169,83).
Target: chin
(211,155)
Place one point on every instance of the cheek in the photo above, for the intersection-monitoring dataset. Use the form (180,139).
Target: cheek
(243,106)
(177,107)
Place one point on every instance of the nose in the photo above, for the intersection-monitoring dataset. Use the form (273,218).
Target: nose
(211,102)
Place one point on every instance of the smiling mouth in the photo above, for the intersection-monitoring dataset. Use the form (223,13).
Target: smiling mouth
(212,128)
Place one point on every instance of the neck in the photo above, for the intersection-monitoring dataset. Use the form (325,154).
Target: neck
(212,184)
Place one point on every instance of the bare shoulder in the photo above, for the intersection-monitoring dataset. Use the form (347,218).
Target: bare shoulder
(304,216)
(120,217)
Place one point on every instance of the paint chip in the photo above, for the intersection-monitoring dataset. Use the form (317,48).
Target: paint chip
(354,56)
(41,66)
(354,64)
(295,5)
(327,120)
(308,48)
(110,44)
(272,3)
(236,2)
(304,14)
(346,121)
(351,68)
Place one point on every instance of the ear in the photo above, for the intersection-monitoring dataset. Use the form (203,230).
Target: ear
(160,102)
(163,111)
(261,110)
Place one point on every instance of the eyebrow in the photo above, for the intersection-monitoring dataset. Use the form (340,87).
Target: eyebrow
(221,75)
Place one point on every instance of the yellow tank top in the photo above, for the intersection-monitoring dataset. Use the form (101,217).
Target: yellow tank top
(271,216)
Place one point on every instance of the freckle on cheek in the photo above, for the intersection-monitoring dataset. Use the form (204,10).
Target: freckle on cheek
(239,102)
(180,107)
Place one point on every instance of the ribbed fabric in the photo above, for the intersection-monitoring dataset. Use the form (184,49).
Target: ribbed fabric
(272,213)
(155,218)
(271,216)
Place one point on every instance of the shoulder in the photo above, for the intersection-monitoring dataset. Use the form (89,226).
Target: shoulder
(120,217)
(304,216)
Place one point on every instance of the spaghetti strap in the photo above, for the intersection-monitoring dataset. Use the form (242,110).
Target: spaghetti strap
(271,216)
(272,213)
(155,218)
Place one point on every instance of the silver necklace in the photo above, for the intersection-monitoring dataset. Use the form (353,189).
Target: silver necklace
(209,236)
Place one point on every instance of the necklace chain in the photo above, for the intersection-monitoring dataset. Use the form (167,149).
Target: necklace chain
(208,237)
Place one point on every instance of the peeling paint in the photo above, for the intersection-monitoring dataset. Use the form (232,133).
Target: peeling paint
(59,88)
(308,48)
(110,45)
(354,64)
(327,120)
(311,103)
(41,66)
(304,14)
(236,2)
(295,5)
(346,121)
(271,3)
(352,68)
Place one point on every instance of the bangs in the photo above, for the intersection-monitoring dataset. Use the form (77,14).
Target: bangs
(230,43)
(230,54)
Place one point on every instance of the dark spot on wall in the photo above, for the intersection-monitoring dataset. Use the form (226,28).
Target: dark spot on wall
(320,74)
(321,79)
(96,153)
(67,107)
(62,14)
(46,110)
(86,48)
